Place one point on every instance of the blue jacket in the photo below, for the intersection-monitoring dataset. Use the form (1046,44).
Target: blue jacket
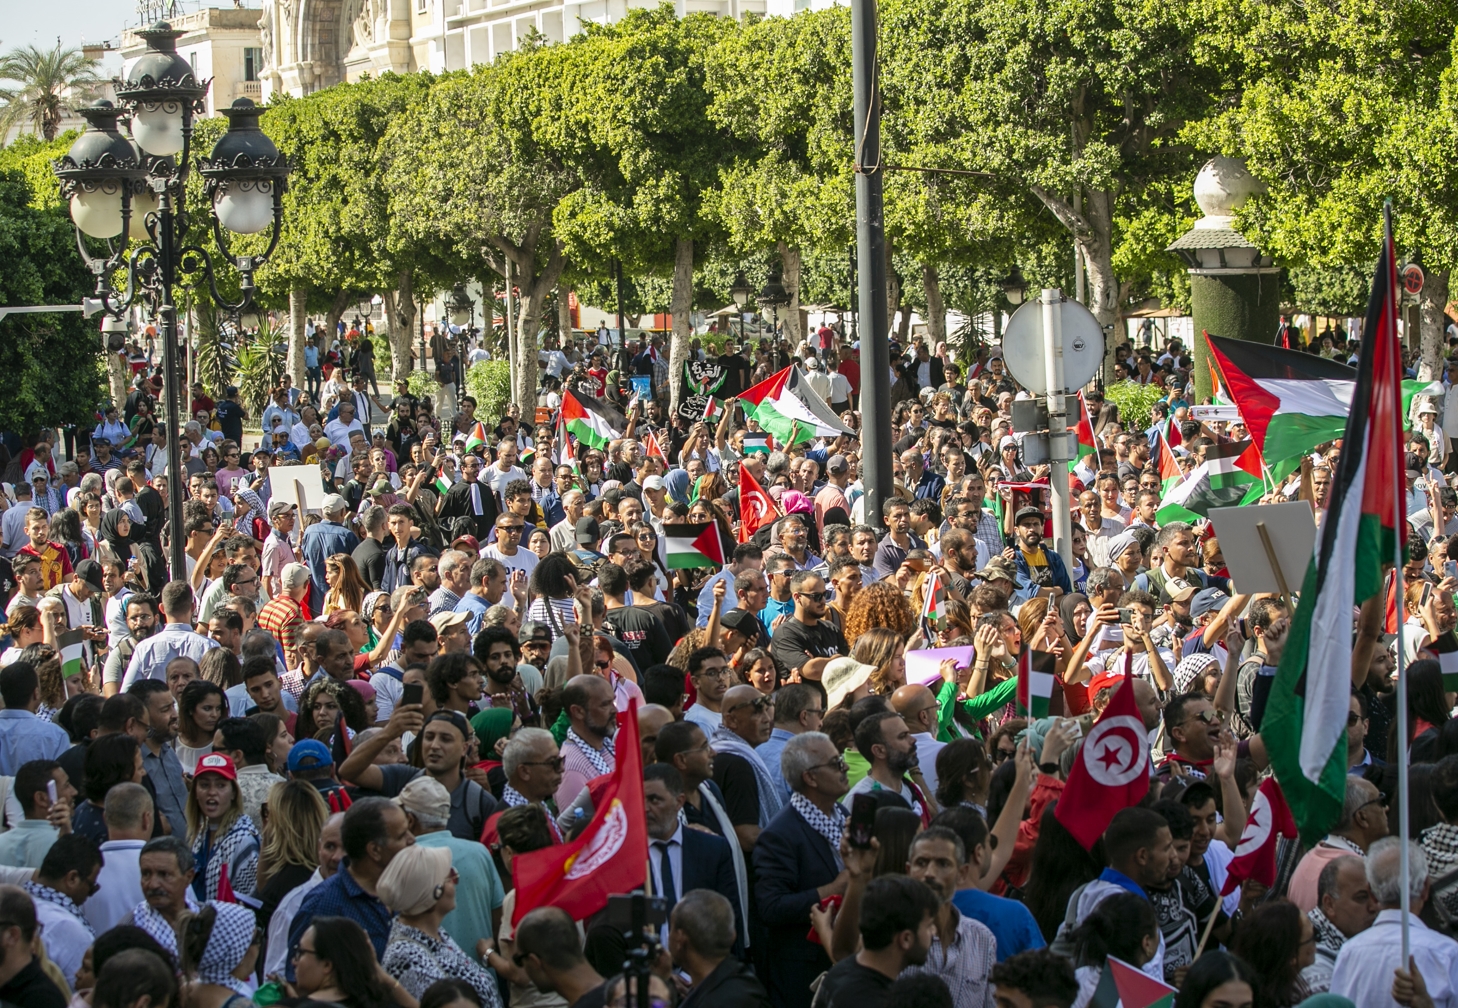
(1055,567)
(552,509)
(320,542)
(791,862)
(709,864)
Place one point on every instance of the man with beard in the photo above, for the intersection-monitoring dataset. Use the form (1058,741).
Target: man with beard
(587,752)
(141,616)
(497,650)
(443,748)
(159,759)
(964,950)
(886,743)
(898,923)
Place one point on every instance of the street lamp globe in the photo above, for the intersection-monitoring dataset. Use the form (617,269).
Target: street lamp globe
(460,306)
(774,293)
(1014,286)
(162,91)
(741,292)
(246,173)
(100,173)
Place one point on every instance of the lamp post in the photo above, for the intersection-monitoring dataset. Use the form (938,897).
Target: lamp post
(741,292)
(1014,290)
(461,308)
(130,194)
(772,296)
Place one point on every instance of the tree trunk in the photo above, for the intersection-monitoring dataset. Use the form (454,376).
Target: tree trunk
(118,371)
(298,317)
(790,261)
(400,316)
(936,310)
(533,288)
(903,325)
(1431,303)
(681,303)
(564,316)
(1092,227)
(336,311)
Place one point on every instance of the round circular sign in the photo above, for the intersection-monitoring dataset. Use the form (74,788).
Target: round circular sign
(1412,278)
(1115,751)
(1023,346)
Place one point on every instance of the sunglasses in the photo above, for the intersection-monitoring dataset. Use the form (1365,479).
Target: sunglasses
(819,596)
(1352,718)
(759,704)
(838,763)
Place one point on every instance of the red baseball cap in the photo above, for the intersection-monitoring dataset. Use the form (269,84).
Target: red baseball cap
(469,541)
(1095,684)
(218,764)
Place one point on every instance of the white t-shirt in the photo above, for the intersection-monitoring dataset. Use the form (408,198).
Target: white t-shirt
(524,560)
(867,784)
(497,480)
(1129,663)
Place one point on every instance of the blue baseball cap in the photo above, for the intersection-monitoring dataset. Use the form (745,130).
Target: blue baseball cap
(309,754)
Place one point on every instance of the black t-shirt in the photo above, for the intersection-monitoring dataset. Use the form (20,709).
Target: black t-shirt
(736,376)
(595,998)
(795,642)
(230,420)
(641,632)
(673,619)
(740,786)
(851,985)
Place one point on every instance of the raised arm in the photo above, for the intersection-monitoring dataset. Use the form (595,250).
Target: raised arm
(359,768)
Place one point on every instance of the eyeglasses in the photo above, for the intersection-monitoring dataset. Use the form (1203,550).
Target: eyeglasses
(1208,716)
(556,762)
(511,529)
(299,950)
(759,704)
(838,763)
(712,673)
(999,754)
(1352,718)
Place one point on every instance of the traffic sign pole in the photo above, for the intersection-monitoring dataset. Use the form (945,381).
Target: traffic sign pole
(1051,302)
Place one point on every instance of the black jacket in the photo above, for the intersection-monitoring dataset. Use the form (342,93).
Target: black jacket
(731,985)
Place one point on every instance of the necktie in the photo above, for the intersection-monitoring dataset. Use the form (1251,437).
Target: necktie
(666,890)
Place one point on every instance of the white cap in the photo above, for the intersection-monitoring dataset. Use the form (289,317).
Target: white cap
(333,504)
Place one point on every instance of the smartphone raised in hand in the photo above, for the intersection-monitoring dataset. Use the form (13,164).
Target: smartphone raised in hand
(862,822)
(413,693)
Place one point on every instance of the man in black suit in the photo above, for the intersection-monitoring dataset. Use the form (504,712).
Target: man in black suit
(469,498)
(683,859)
(700,937)
(797,864)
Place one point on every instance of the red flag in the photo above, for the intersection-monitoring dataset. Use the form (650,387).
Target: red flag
(1111,771)
(756,508)
(1255,857)
(611,854)
(651,449)
(225,888)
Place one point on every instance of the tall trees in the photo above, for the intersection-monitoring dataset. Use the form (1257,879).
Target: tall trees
(46,82)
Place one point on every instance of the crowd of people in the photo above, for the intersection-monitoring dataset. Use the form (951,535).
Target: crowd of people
(300,770)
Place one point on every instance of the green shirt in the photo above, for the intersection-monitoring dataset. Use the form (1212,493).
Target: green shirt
(976,708)
(477,893)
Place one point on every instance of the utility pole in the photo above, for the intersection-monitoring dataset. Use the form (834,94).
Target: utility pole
(876,437)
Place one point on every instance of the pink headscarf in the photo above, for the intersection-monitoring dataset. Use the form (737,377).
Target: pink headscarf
(795,502)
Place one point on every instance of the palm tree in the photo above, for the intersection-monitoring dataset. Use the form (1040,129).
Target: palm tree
(49,81)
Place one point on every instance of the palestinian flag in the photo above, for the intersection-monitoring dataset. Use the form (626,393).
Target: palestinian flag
(1446,648)
(756,441)
(595,422)
(1035,683)
(73,653)
(691,546)
(527,457)
(935,605)
(786,406)
(1083,429)
(1218,395)
(477,437)
(1172,432)
(713,411)
(1217,482)
(1292,401)
(1305,721)
(1129,986)
(441,483)
(1168,465)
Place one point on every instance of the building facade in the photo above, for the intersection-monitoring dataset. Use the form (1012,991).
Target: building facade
(222,45)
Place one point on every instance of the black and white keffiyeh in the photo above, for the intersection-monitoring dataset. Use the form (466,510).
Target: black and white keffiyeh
(511,798)
(594,756)
(60,899)
(227,945)
(830,827)
(152,922)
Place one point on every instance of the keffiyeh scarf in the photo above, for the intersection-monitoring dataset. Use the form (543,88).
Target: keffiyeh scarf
(724,740)
(152,922)
(830,827)
(594,756)
(60,899)
(227,945)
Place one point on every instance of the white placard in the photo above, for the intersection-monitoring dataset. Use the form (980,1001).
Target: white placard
(1291,529)
(300,485)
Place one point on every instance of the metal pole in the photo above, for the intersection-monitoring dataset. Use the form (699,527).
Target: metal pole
(167,330)
(1404,829)
(1052,300)
(871,266)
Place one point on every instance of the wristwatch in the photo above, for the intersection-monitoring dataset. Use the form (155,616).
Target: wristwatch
(1050,768)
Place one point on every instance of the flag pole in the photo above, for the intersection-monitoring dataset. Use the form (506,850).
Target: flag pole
(1388,338)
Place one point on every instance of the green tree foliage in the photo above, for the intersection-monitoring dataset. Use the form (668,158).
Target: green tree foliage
(51,362)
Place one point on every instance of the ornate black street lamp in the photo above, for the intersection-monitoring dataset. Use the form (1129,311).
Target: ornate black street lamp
(130,194)
(773,296)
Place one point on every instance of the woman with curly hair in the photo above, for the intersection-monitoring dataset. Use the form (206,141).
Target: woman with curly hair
(320,705)
(886,649)
(347,588)
(879,605)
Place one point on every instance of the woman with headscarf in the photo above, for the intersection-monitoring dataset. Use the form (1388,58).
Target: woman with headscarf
(1125,556)
(125,540)
(420,886)
(220,945)
(677,485)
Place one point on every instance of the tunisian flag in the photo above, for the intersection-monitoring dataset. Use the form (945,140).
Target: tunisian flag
(1255,857)
(756,508)
(611,854)
(1111,771)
